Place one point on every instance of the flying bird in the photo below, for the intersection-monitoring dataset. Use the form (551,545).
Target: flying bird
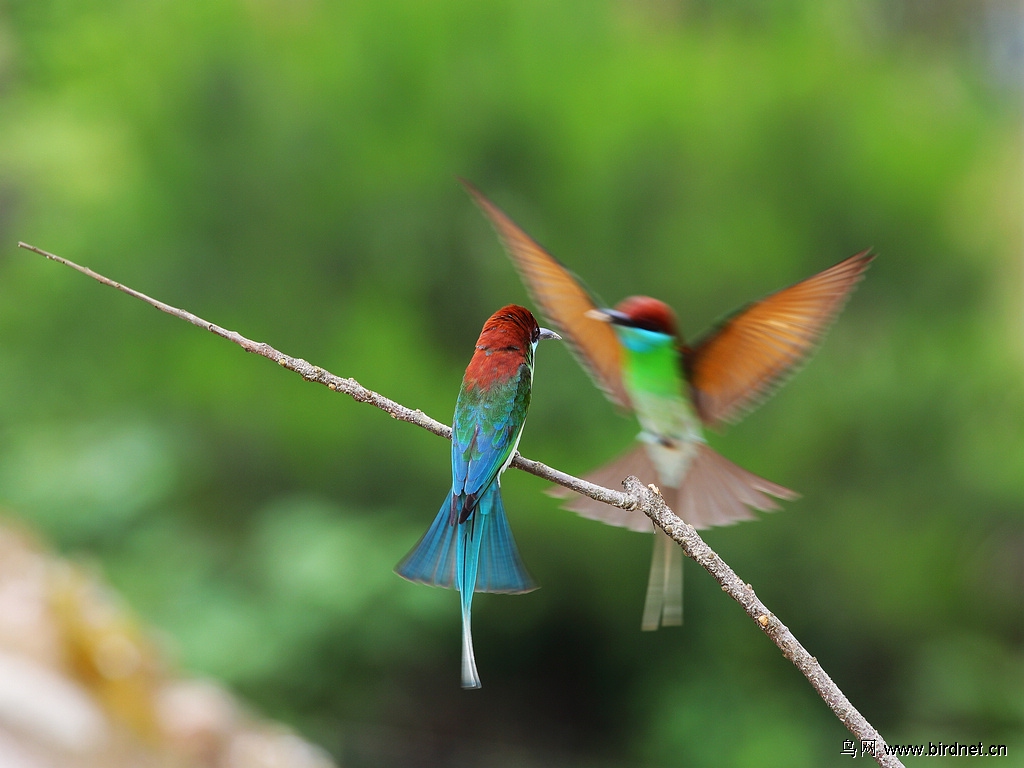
(635,354)
(469,546)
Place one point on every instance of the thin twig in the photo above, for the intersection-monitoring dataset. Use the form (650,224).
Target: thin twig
(637,496)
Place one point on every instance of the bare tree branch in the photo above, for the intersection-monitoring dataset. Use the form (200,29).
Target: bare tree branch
(637,496)
(649,500)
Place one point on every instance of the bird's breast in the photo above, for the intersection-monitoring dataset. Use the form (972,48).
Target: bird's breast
(671,433)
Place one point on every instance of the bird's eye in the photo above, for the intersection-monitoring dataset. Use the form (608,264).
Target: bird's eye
(535,336)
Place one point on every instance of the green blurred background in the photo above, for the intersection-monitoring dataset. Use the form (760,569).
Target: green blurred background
(286,168)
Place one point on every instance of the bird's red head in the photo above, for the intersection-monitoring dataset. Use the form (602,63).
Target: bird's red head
(648,314)
(505,343)
(511,327)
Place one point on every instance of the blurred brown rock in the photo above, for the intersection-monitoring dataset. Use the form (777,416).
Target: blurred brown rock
(83,686)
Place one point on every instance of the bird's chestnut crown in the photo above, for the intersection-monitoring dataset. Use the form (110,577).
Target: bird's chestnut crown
(647,314)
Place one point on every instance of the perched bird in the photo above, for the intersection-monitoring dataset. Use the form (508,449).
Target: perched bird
(470,545)
(635,354)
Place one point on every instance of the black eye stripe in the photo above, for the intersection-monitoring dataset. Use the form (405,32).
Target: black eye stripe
(643,325)
(646,325)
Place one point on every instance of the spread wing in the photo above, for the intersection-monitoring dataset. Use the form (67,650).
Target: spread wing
(747,357)
(562,300)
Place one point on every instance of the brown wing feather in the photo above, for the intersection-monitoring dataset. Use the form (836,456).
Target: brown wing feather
(718,492)
(562,301)
(747,357)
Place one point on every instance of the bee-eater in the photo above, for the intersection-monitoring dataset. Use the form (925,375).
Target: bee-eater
(470,545)
(636,355)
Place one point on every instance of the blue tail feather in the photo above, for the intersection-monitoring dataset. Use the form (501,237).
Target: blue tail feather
(432,560)
(478,555)
(501,569)
(467,560)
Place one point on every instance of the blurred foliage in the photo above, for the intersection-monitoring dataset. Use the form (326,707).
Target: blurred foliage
(285,168)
